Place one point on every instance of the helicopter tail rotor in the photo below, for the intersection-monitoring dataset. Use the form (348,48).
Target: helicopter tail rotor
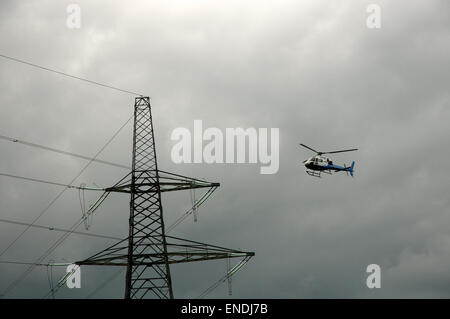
(351,168)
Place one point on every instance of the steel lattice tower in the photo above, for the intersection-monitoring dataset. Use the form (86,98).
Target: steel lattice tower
(147,252)
(146,216)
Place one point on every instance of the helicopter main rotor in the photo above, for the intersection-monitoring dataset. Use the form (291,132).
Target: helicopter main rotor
(332,152)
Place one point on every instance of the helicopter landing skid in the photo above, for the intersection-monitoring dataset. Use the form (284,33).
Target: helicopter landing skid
(316,174)
(313,173)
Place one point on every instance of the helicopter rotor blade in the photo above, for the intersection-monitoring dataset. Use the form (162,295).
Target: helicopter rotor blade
(310,148)
(349,150)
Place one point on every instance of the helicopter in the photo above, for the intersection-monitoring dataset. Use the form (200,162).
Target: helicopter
(318,164)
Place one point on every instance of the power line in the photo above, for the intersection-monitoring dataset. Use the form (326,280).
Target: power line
(61,283)
(27,263)
(226,277)
(103,285)
(35,220)
(68,75)
(55,245)
(48,182)
(64,190)
(8,221)
(73,228)
(51,149)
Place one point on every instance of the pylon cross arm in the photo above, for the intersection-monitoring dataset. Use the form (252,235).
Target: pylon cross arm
(145,182)
(182,251)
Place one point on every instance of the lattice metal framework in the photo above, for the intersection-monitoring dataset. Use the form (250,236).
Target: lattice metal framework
(146,233)
(146,252)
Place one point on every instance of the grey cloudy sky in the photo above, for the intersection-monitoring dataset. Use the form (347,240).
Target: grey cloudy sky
(311,68)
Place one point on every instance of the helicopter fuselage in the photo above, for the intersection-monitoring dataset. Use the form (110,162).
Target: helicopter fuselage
(319,163)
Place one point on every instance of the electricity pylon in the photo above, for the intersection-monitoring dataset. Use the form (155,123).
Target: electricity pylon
(148,252)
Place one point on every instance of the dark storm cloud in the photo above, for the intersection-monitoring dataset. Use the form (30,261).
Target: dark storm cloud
(312,69)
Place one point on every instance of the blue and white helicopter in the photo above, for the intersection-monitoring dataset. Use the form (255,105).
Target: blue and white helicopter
(318,164)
